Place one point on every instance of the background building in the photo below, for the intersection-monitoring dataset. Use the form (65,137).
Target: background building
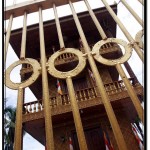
(98,103)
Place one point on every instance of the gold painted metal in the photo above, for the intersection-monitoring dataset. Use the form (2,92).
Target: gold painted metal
(138,38)
(8,37)
(67,75)
(36,72)
(124,30)
(124,58)
(101,32)
(60,37)
(20,100)
(76,115)
(18,125)
(142,2)
(133,13)
(117,63)
(24,34)
(131,92)
(105,99)
(47,109)
(63,75)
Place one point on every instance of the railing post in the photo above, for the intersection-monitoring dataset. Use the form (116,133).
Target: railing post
(131,92)
(47,110)
(76,115)
(105,99)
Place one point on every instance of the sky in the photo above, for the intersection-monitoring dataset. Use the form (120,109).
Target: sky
(128,20)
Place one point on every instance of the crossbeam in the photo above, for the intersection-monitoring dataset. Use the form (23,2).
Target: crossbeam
(32,6)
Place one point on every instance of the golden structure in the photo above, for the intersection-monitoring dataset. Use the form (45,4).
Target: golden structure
(82,52)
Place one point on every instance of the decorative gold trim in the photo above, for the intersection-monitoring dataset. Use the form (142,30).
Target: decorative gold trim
(99,58)
(32,79)
(138,38)
(63,75)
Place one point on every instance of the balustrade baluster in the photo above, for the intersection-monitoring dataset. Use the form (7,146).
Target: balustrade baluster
(80,95)
(114,86)
(63,56)
(122,86)
(92,90)
(106,88)
(84,95)
(65,99)
(77,99)
(30,109)
(42,105)
(109,44)
(54,102)
(68,100)
(119,87)
(39,106)
(95,92)
(89,94)
(26,109)
(34,107)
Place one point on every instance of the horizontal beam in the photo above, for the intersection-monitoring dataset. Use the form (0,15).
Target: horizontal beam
(32,6)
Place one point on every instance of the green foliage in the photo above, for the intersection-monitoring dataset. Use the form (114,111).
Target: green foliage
(9,127)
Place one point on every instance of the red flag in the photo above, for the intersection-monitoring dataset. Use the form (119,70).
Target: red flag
(70,144)
(59,88)
(108,144)
(137,137)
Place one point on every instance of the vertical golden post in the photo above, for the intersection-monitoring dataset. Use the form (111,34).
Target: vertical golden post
(8,37)
(74,105)
(18,135)
(105,99)
(102,33)
(142,2)
(62,46)
(76,115)
(131,92)
(124,30)
(24,34)
(47,108)
(133,12)
(18,125)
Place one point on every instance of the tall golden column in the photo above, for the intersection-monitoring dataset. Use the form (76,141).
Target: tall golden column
(72,96)
(124,30)
(95,20)
(47,108)
(133,13)
(18,127)
(105,99)
(23,43)
(141,1)
(60,37)
(76,115)
(8,37)
(130,90)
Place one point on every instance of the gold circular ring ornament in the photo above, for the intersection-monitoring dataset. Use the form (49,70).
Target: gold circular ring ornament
(36,72)
(124,58)
(138,38)
(63,75)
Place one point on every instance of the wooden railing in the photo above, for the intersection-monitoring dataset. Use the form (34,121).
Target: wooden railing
(68,57)
(65,58)
(81,95)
